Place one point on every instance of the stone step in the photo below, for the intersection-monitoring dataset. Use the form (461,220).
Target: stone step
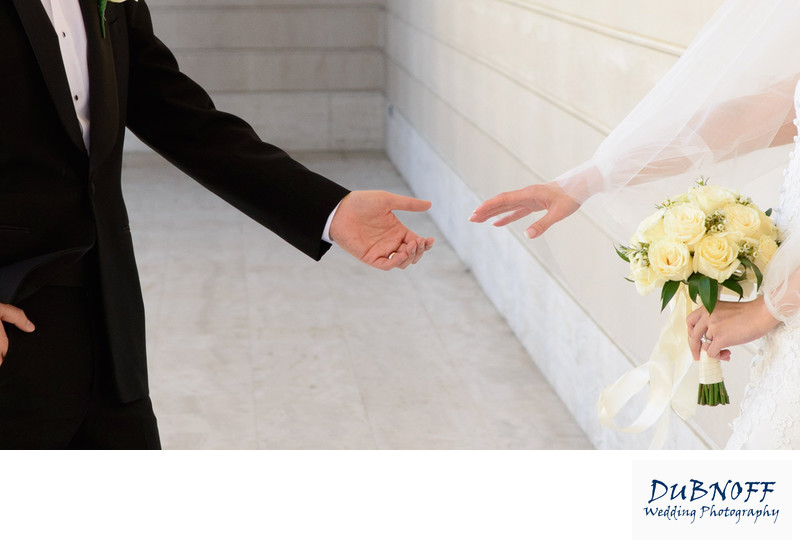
(278,27)
(259,70)
(308,75)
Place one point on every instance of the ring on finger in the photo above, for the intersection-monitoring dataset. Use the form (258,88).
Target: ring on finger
(705,339)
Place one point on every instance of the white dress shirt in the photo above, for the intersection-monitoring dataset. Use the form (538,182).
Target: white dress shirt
(67,20)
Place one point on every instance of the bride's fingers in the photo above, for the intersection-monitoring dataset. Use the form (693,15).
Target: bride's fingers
(506,202)
(716,346)
(695,334)
(712,349)
(695,317)
(697,326)
(550,218)
(516,216)
(488,210)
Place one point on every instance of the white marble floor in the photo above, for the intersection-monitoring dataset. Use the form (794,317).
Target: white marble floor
(252,345)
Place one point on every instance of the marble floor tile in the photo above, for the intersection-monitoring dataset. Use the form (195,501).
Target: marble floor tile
(254,345)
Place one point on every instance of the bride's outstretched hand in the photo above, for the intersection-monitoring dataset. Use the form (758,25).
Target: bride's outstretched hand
(731,324)
(520,203)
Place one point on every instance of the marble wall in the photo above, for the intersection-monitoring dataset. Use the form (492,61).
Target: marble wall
(490,95)
(307,74)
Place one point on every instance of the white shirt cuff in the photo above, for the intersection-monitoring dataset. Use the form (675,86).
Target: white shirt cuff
(326,234)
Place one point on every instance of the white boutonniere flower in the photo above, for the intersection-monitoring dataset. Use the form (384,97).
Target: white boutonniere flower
(101,5)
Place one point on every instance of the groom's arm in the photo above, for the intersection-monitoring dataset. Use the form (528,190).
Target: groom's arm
(176,117)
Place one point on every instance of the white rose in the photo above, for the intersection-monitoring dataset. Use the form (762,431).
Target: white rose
(670,259)
(685,223)
(767,247)
(649,230)
(643,277)
(768,228)
(743,219)
(710,198)
(716,257)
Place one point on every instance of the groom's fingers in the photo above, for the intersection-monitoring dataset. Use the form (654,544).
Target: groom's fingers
(394,260)
(412,252)
(407,254)
(13,315)
(3,344)
(423,245)
(407,203)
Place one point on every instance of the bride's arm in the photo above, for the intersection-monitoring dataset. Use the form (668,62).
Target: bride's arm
(729,129)
(732,128)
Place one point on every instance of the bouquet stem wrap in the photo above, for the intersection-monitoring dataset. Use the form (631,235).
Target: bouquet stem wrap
(712,386)
(671,374)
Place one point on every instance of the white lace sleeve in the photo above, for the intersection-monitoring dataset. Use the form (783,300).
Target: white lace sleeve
(782,280)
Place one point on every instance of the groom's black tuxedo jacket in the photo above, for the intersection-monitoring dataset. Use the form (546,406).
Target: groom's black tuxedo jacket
(58,200)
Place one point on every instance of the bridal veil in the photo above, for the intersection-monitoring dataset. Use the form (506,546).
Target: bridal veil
(717,113)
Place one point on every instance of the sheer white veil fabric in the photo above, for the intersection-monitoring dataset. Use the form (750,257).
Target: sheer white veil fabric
(716,114)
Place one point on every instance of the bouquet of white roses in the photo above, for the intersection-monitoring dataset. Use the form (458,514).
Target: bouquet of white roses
(709,239)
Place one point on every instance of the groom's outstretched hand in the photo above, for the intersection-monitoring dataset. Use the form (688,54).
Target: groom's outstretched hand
(365,227)
(520,203)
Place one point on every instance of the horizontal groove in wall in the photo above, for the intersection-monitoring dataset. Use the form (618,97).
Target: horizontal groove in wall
(549,97)
(611,32)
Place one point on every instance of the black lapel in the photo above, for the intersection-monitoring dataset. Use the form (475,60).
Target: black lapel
(44,42)
(103,99)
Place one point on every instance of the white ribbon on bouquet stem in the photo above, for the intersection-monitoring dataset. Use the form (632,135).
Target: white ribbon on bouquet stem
(671,374)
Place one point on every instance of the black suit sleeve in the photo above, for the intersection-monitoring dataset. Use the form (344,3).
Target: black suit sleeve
(176,117)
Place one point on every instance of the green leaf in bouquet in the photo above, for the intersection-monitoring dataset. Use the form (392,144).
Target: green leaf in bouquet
(768,212)
(622,254)
(745,261)
(756,271)
(734,286)
(694,286)
(738,277)
(709,292)
(668,291)
(759,276)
